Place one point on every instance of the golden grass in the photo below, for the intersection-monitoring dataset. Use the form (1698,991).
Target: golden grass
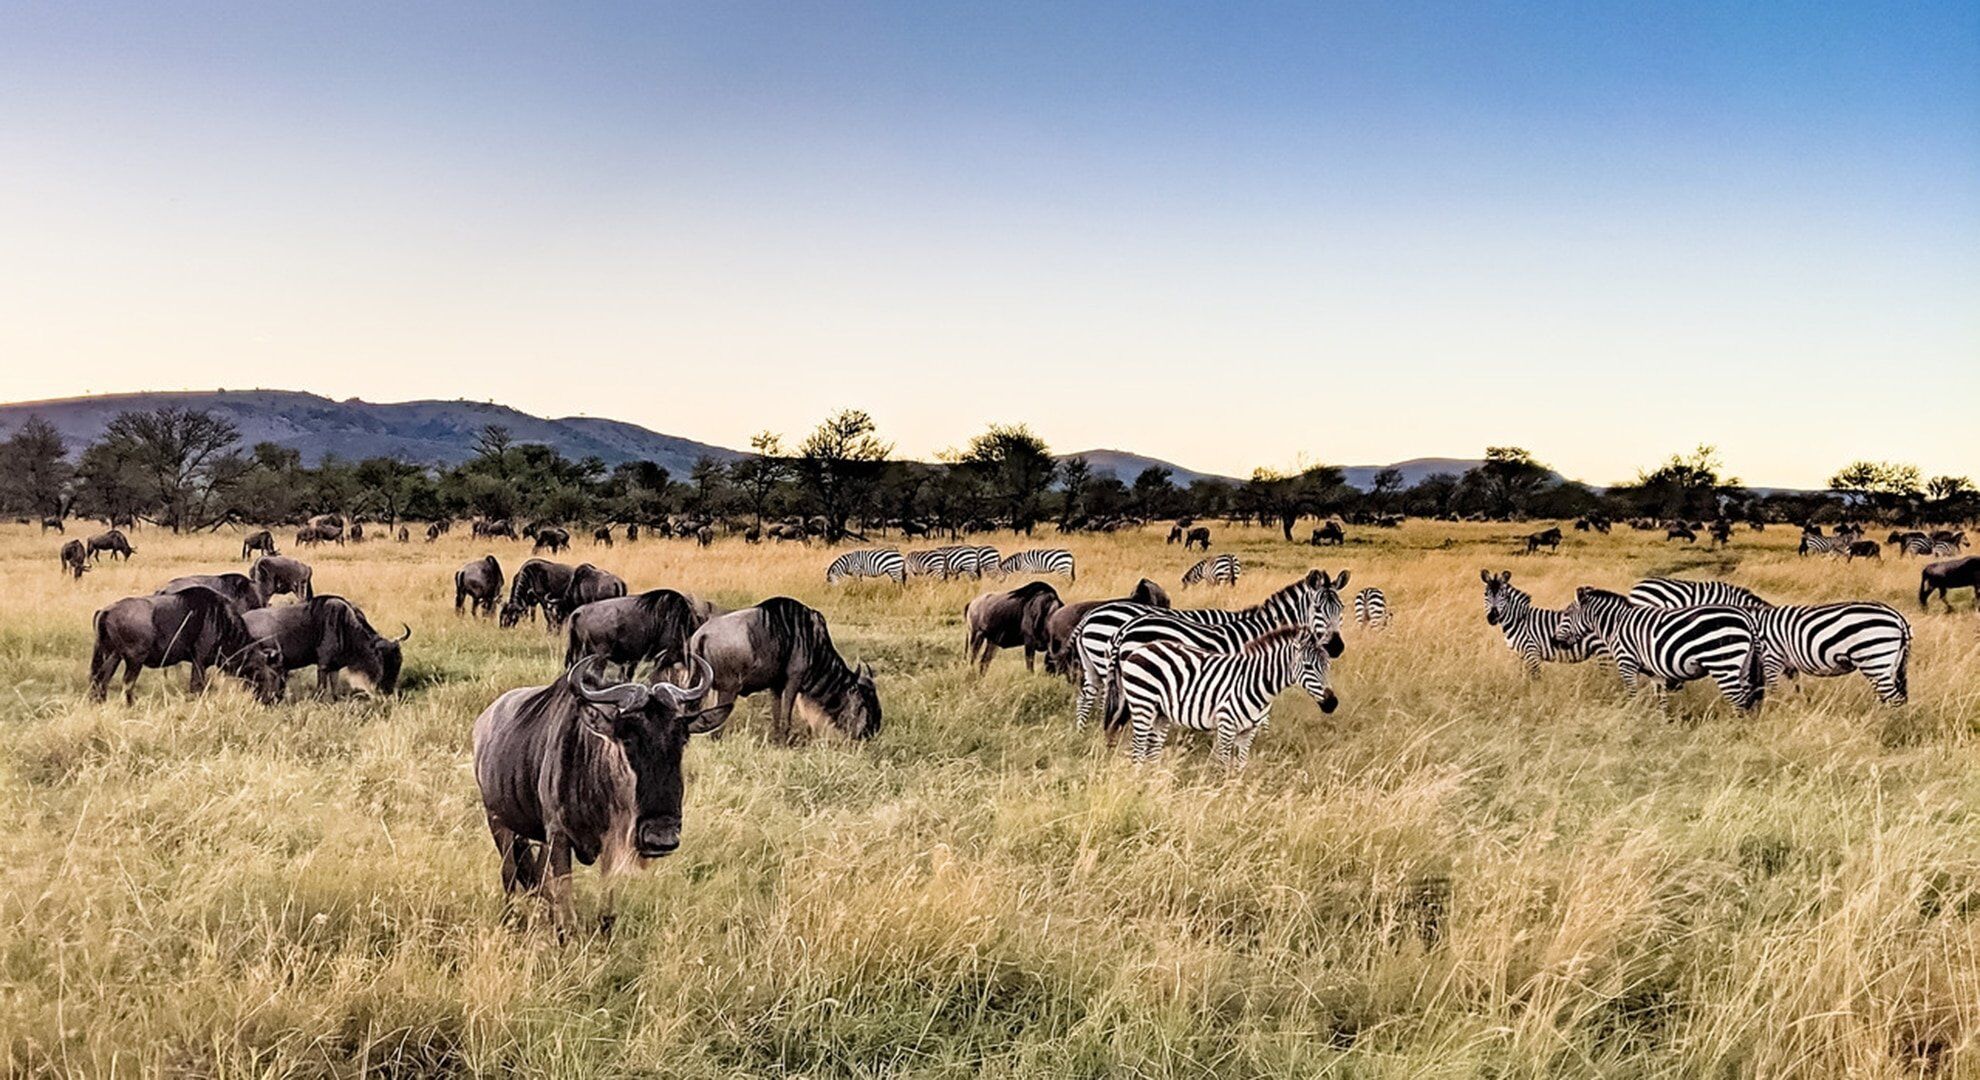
(1457,874)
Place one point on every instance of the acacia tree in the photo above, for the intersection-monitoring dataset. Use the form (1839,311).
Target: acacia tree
(1885,488)
(1154,492)
(1275,496)
(390,485)
(34,469)
(1507,479)
(1015,468)
(1074,476)
(757,477)
(1686,486)
(838,463)
(188,459)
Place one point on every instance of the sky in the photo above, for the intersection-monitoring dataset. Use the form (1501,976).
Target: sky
(1228,235)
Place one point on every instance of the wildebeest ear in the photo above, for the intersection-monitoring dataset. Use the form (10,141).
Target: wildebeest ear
(864,670)
(706,720)
(598,721)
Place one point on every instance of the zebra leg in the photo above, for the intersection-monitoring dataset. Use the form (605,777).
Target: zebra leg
(1226,744)
(1531,658)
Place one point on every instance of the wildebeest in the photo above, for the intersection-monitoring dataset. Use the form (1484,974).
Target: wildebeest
(705,535)
(259,540)
(502,528)
(1545,538)
(1176,532)
(753,535)
(601,535)
(310,536)
(537,583)
(1009,620)
(197,626)
(1960,573)
(433,532)
(653,626)
(1678,530)
(481,582)
(1722,532)
(554,539)
(275,575)
(568,770)
(1863,549)
(1329,533)
(1060,656)
(332,634)
(405,535)
(782,646)
(75,558)
(55,523)
(1198,537)
(239,589)
(112,541)
(588,584)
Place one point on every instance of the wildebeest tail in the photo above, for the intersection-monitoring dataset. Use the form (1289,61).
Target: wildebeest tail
(571,645)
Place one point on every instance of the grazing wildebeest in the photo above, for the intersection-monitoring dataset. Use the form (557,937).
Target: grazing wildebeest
(1863,549)
(537,583)
(567,770)
(1678,530)
(1329,533)
(1176,533)
(1545,538)
(112,541)
(753,535)
(197,627)
(552,538)
(588,584)
(784,647)
(479,581)
(1010,620)
(75,559)
(433,531)
(55,523)
(310,536)
(1722,532)
(1060,656)
(653,627)
(601,535)
(332,634)
(239,589)
(275,575)
(357,532)
(502,528)
(1198,537)
(259,540)
(1960,573)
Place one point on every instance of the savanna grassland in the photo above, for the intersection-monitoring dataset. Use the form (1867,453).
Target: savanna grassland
(1456,874)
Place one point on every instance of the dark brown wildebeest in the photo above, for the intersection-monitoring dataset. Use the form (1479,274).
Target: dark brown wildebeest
(405,535)
(567,770)
(1863,549)
(1722,532)
(310,536)
(537,584)
(632,533)
(753,534)
(240,590)
(588,584)
(782,646)
(1060,656)
(75,559)
(481,582)
(55,523)
(501,527)
(260,540)
(433,532)
(1960,573)
(356,532)
(330,633)
(1198,537)
(197,627)
(1545,538)
(1175,533)
(1010,620)
(705,535)
(112,541)
(1329,533)
(1678,530)
(601,535)
(653,627)
(554,539)
(275,575)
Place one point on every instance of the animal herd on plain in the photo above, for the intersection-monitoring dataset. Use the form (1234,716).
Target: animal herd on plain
(589,765)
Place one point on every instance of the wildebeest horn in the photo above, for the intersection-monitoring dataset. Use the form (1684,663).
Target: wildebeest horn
(622,696)
(407,636)
(681,694)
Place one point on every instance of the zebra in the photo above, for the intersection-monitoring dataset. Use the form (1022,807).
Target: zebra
(1216,570)
(868,563)
(1946,549)
(929,562)
(1371,608)
(1816,543)
(1666,592)
(1314,597)
(1168,682)
(1530,630)
(989,561)
(1836,639)
(968,559)
(1039,561)
(1672,646)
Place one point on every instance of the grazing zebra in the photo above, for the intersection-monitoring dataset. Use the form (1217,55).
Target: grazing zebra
(1946,549)
(1836,639)
(1669,592)
(868,563)
(929,562)
(1371,608)
(989,561)
(1168,682)
(1530,630)
(1315,598)
(1039,561)
(1216,570)
(1672,646)
(966,559)
(1817,544)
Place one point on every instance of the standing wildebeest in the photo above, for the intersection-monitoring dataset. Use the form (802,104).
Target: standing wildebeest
(55,523)
(601,535)
(1722,532)
(278,574)
(1329,533)
(259,540)
(1176,533)
(1198,537)
(1863,549)
(537,584)
(112,541)
(1010,620)
(1678,530)
(197,627)
(588,584)
(1060,657)
(479,581)
(633,630)
(566,770)
(332,634)
(405,535)
(1545,538)
(753,534)
(75,559)
(784,647)
(239,589)
(310,536)
(1960,573)
(704,535)
(553,538)
(433,531)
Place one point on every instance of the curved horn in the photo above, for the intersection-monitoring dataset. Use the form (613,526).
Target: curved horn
(407,636)
(704,682)
(622,696)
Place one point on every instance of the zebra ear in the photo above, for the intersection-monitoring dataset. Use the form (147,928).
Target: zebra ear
(1505,577)
(1487,576)
(1341,583)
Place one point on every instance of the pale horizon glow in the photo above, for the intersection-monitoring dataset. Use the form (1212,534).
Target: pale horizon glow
(1225,237)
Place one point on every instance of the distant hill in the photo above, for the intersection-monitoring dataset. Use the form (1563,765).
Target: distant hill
(1125,466)
(1413,470)
(431,432)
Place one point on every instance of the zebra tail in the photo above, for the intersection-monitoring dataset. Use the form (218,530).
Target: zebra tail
(1113,711)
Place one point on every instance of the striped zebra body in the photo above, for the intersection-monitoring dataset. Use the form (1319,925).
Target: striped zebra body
(929,562)
(1168,682)
(989,562)
(1917,545)
(1946,549)
(1667,592)
(1672,645)
(868,563)
(1529,631)
(1812,544)
(1371,608)
(1215,570)
(1313,597)
(1835,639)
(1040,561)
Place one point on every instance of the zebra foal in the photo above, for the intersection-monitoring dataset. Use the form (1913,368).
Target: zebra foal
(1168,683)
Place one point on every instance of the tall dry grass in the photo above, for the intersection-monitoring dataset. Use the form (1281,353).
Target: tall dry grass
(1457,874)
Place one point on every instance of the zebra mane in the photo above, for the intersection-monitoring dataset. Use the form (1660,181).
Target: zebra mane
(1313,584)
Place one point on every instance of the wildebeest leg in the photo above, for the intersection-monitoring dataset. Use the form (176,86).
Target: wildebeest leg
(197,683)
(326,686)
(131,671)
(102,665)
(781,726)
(1030,658)
(557,882)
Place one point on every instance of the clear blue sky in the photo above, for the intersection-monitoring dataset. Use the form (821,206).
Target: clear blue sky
(1226,235)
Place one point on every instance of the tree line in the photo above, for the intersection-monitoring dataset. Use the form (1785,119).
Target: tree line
(186,469)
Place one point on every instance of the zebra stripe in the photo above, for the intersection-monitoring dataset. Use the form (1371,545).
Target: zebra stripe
(1673,646)
(1945,549)
(868,563)
(1040,561)
(1216,570)
(1835,639)
(1529,631)
(1812,544)
(929,562)
(1371,608)
(1667,592)
(1168,682)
